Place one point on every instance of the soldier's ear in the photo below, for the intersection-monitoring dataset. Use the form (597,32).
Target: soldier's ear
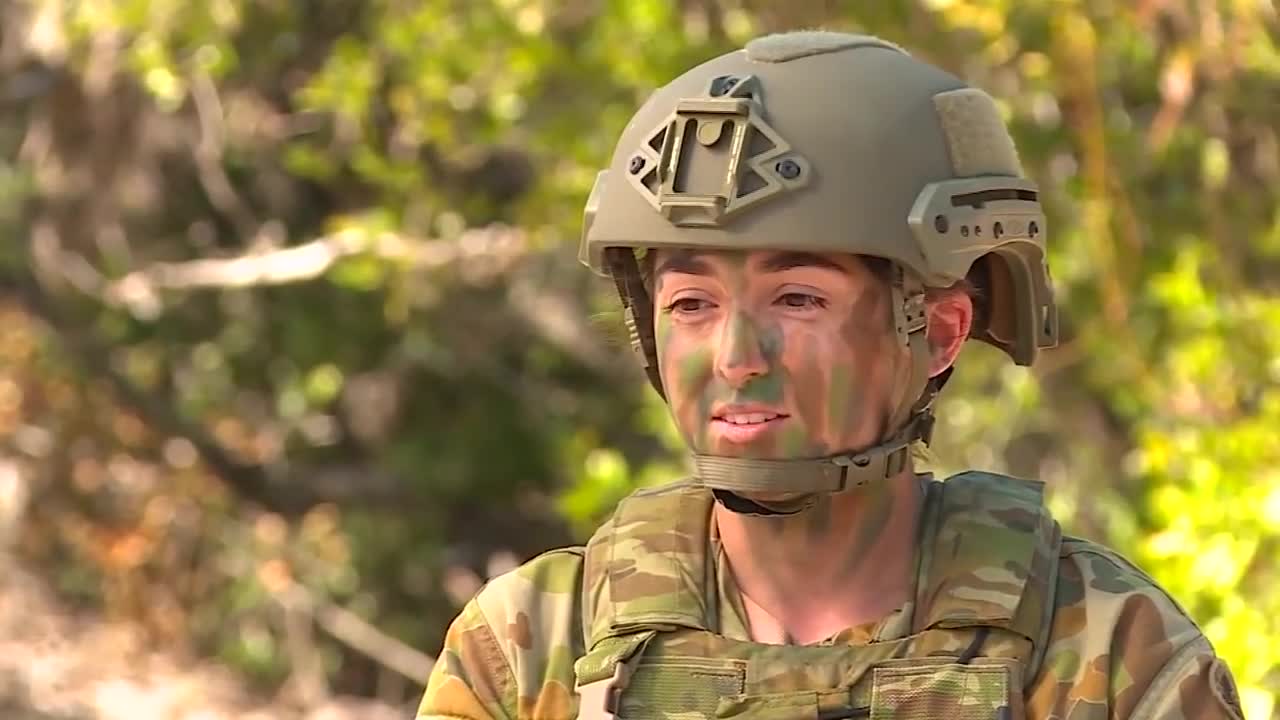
(950,320)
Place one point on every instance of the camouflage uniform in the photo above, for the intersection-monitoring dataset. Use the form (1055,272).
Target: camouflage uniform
(853,147)
(1112,643)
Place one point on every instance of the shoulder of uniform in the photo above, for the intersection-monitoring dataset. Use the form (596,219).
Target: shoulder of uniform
(547,586)
(983,478)
(1005,499)
(1083,550)
(1093,571)
(535,616)
(1114,633)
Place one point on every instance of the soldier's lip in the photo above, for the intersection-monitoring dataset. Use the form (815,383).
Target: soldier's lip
(720,412)
(745,432)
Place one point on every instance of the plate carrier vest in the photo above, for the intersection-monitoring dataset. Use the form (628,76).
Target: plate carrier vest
(979,621)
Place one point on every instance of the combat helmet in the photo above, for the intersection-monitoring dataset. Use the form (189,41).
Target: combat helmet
(830,142)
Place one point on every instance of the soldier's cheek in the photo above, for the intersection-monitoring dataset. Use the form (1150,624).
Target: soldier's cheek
(687,373)
(804,387)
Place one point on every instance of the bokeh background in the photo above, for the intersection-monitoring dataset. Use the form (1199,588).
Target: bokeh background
(295,351)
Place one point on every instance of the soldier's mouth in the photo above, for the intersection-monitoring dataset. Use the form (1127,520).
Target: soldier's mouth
(746,427)
(748,418)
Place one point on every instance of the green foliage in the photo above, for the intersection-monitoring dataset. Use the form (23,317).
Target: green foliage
(391,128)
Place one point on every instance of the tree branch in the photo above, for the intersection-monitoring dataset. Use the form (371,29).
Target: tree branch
(557,318)
(495,247)
(355,632)
(301,489)
(207,154)
(482,251)
(479,252)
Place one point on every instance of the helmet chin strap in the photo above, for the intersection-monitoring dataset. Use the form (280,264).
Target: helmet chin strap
(736,480)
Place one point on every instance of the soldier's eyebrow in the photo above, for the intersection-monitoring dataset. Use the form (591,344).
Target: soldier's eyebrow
(777,262)
(688,262)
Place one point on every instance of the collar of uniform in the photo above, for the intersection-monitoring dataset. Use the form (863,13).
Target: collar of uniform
(733,622)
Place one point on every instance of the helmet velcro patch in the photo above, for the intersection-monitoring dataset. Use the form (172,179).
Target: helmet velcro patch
(781,47)
(976,136)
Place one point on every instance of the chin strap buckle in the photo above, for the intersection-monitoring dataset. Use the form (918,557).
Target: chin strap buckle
(879,463)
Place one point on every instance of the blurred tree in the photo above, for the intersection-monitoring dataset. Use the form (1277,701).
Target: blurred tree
(292,328)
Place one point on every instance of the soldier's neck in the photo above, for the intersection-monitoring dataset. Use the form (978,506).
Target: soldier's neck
(847,561)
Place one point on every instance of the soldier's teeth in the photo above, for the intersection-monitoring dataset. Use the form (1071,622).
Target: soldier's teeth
(749,418)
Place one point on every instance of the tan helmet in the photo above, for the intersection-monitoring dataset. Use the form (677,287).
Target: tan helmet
(830,142)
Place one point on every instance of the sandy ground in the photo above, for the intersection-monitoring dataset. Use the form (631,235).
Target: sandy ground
(56,665)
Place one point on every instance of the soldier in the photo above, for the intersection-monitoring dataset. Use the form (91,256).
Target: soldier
(803,234)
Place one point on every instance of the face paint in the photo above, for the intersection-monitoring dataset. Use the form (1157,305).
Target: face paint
(840,398)
(857,374)
(818,520)
(825,363)
(794,442)
(661,329)
(879,506)
(741,339)
(693,374)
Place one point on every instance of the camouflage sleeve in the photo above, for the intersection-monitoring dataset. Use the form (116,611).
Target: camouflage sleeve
(471,679)
(510,653)
(1121,648)
(1194,684)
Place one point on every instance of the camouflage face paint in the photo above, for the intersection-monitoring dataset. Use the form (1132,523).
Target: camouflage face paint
(794,442)
(847,376)
(876,511)
(817,520)
(840,397)
(661,330)
(689,352)
(766,338)
(821,361)
(690,402)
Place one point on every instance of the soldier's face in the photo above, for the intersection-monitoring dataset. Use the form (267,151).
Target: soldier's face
(775,354)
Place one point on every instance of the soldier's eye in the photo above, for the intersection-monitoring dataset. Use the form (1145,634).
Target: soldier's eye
(687,306)
(802,301)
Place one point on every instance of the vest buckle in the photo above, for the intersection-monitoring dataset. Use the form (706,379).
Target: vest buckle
(600,700)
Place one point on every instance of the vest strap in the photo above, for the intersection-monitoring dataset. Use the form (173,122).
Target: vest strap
(648,567)
(992,558)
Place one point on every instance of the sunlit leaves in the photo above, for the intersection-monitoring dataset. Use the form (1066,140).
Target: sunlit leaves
(346,84)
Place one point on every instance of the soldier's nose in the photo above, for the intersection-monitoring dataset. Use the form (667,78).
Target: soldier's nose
(740,356)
